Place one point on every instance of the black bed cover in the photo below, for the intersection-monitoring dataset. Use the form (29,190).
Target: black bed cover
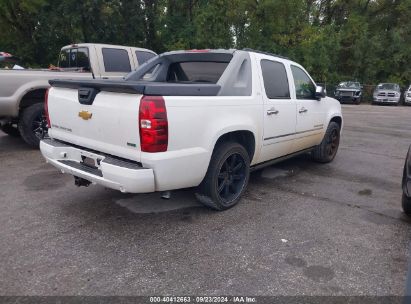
(142,87)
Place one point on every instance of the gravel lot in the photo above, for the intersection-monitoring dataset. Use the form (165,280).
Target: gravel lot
(301,229)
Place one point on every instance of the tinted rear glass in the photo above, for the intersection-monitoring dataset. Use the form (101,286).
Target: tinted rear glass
(275,79)
(196,71)
(116,60)
(142,57)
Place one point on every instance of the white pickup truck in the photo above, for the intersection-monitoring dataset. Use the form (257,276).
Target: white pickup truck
(22,91)
(200,118)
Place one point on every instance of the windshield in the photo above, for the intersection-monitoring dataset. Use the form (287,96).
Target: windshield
(349,84)
(388,86)
(74,58)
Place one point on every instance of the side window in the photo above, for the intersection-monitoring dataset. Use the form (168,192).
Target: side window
(116,60)
(304,87)
(275,79)
(74,58)
(142,57)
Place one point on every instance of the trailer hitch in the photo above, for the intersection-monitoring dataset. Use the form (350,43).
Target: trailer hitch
(78,181)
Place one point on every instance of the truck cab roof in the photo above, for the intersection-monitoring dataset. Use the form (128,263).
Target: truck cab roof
(103,45)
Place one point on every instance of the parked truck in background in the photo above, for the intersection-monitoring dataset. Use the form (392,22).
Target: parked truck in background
(387,93)
(348,91)
(201,118)
(22,92)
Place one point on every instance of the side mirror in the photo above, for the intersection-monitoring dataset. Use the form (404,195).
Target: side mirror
(320,92)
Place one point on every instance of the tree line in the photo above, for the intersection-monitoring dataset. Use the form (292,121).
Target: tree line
(364,40)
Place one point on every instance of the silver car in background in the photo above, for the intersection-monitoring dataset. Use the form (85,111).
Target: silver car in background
(407,96)
(387,93)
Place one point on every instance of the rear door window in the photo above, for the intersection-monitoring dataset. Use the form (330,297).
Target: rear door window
(143,57)
(116,60)
(196,71)
(275,80)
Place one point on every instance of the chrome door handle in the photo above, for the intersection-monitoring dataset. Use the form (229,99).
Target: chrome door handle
(272,111)
(302,110)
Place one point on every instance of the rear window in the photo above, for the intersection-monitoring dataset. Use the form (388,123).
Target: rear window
(75,58)
(116,60)
(196,71)
(143,57)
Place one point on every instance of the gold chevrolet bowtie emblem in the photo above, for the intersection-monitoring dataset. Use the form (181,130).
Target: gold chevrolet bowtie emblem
(85,115)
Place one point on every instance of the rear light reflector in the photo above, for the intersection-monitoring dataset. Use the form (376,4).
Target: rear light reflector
(46,108)
(153,124)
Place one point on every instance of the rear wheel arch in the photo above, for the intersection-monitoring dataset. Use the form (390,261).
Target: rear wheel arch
(226,178)
(31,122)
(245,138)
(32,97)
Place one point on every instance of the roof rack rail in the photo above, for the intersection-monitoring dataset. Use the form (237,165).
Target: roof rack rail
(265,53)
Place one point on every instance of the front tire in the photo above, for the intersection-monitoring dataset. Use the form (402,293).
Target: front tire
(11,130)
(33,124)
(226,178)
(327,149)
(406,204)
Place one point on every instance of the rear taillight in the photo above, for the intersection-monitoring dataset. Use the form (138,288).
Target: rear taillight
(153,124)
(46,108)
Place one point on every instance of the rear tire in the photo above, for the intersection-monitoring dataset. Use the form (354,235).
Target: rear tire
(33,125)
(11,130)
(406,205)
(327,149)
(226,178)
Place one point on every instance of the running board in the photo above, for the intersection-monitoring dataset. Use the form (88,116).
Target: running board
(279,159)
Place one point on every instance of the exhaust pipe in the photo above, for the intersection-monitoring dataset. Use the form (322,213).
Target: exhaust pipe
(78,181)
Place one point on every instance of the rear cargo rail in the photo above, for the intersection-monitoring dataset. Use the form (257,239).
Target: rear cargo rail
(137,87)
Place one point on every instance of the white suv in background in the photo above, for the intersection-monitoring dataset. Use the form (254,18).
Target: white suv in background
(407,95)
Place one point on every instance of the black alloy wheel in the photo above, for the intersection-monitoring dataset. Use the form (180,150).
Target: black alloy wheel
(333,142)
(33,124)
(39,126)
(325,152)
(226,178)
(231,178)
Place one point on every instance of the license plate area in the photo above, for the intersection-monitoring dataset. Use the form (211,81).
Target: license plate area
(89,162)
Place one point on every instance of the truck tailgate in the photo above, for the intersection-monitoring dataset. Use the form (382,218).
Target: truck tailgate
(109,124)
